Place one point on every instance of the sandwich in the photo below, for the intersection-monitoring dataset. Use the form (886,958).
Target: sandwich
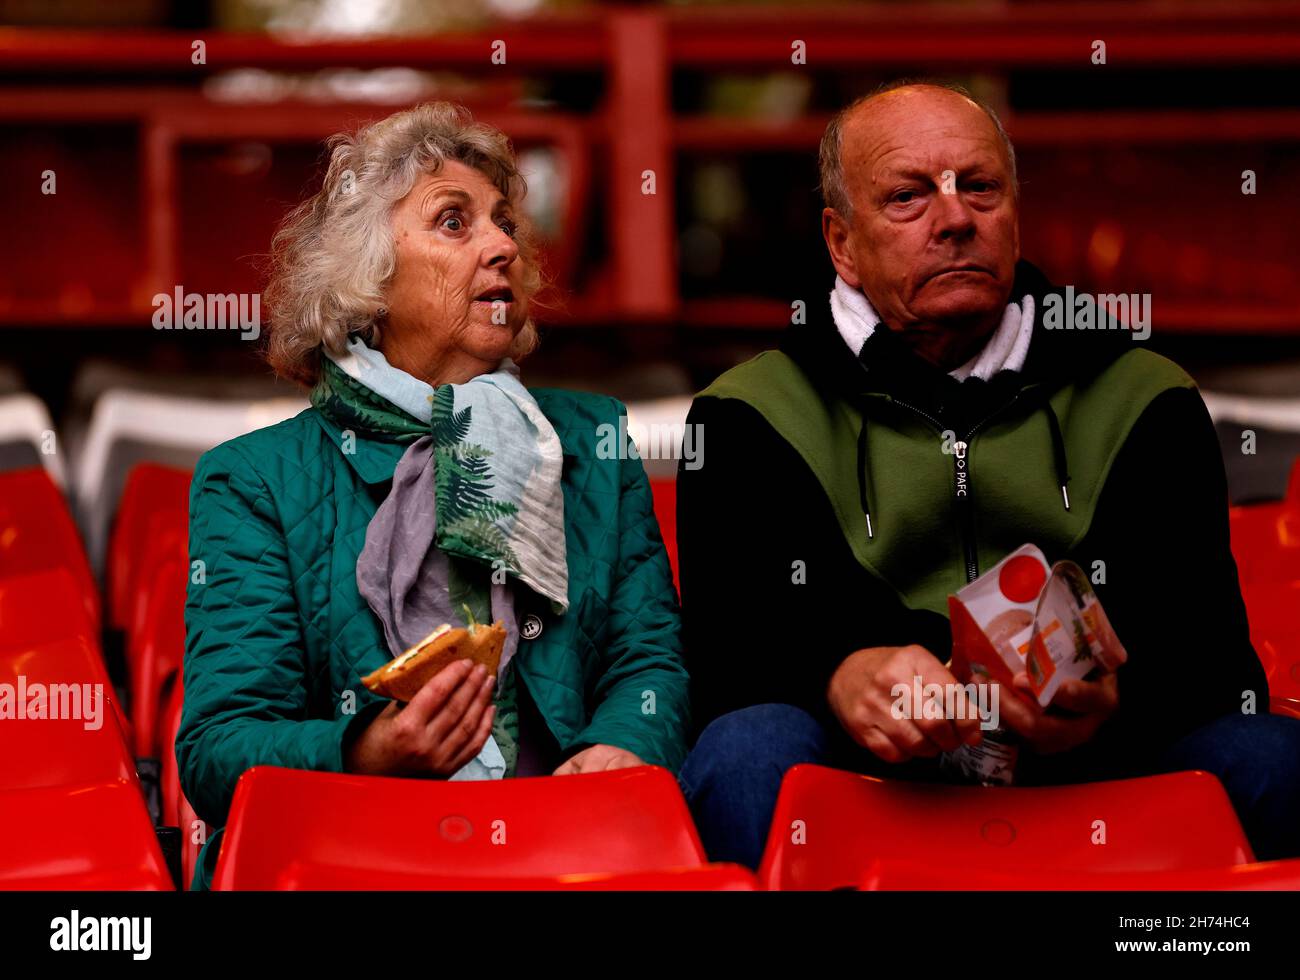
(404,675)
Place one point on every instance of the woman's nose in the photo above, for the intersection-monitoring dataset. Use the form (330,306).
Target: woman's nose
(502,250)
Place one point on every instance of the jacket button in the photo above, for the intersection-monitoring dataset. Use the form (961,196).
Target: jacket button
(532,627)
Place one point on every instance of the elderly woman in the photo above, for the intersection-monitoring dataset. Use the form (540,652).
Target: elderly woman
(424,486)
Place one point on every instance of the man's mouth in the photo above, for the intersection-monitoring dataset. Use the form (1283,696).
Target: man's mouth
(497,294)
(967,267)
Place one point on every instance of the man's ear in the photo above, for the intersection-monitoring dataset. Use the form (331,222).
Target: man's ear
(836,232)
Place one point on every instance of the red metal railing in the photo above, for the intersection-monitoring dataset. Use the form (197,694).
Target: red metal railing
(151,88)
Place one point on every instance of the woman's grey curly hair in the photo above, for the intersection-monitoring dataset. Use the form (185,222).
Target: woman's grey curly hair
(334,254)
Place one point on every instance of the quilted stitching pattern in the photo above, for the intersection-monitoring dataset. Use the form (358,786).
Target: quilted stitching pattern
(278,636)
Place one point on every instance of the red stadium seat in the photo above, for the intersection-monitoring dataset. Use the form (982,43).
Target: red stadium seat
(37,534)
(1266,537)
(1285,706)
(41,607)
(79,838)
(71,811)
(152,493)
(904,876)
(831,826)
(1274,612)
(364,828)
(46,752)
(166,541)
(155,652)
(710,878)
(45,639)
(1266,542)
(665,497)
(176,809)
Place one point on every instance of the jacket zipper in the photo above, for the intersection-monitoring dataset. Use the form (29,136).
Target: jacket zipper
(963,495)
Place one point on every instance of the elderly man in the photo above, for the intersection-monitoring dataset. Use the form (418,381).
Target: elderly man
(919,426)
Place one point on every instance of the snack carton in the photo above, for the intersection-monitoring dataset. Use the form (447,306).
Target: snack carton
(1026,615)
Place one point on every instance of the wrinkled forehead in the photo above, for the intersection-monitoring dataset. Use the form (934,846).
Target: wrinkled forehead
(454,180)
(903,131)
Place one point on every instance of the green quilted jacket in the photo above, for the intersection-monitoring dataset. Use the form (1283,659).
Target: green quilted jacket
(278,637)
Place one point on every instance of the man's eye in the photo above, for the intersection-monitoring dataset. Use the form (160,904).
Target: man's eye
(904,197)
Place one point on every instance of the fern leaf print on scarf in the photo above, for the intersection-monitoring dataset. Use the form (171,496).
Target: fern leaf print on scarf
(468,515)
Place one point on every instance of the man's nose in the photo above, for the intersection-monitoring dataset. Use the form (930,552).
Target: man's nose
(954,217)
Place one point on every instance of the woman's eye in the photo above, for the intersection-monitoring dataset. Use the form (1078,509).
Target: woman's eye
(507,226)
(452,221)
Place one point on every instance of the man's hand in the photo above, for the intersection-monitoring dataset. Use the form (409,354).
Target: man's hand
(598,758)
(860,696)
(445,725)
(1089,703)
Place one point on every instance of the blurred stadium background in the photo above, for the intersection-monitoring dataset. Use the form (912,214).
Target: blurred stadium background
(171,172)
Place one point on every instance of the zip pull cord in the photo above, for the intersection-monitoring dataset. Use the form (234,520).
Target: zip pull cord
(1058,454)
(862,476)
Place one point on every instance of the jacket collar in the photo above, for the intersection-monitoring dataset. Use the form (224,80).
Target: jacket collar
(888,367)
(374,460)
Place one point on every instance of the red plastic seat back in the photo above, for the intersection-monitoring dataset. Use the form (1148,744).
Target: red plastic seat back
(709,878)
(626,820)
(50,657)
(665,498)
(1290,707)
(166,541)
(86,744)
(906,876)
(176,809)
(151,490)
(71,812)
(830,826)
(1266,537)
(1274,612)
(156,651)
(41,607)
(79,838)
(37,534)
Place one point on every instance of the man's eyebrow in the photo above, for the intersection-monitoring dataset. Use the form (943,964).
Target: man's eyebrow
(907,172)
(918,173)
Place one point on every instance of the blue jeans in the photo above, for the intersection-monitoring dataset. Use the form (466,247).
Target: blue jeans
(732,776)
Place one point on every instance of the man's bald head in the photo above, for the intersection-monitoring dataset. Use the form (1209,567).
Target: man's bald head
(860,113)
(923,215)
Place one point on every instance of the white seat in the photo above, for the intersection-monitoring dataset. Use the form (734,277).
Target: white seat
(127,427)
(1248,410)
(25,419)
(1261,474)
(658,426)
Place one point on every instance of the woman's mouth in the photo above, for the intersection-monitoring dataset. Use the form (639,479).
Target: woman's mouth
(498,294)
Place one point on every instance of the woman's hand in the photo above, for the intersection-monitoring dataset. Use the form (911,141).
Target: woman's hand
(445,725)
(597,759)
